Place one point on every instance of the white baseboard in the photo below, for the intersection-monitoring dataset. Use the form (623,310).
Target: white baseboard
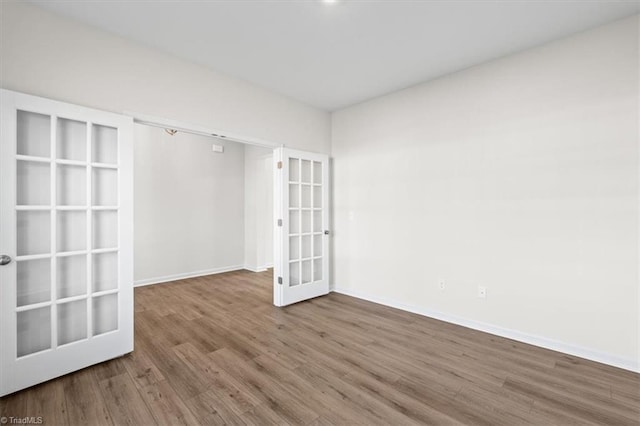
(258,268)
(174,277)
(590,354)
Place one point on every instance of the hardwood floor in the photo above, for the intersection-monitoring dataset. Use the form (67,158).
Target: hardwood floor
(213,350)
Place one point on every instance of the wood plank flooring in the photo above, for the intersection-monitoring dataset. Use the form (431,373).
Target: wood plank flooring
(213,350)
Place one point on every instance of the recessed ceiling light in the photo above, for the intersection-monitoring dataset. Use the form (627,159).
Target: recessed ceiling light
(330,1)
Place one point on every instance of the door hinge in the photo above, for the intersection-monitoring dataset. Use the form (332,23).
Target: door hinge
(279,164)
(280,280)
(279,222)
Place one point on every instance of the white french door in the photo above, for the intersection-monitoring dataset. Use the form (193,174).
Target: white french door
(301,256)
(66,238)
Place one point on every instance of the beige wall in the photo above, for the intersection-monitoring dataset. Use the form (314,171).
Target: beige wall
(520,175)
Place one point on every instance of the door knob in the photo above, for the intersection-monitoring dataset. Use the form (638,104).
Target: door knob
(326,232)
(4,259)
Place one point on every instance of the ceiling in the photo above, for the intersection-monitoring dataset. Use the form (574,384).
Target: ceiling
(331,55)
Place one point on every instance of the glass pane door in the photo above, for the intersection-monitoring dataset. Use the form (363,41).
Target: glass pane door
(304,195)
(66,300)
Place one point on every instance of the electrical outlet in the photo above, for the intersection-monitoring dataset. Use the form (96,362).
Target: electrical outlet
(482,292)
(442,284)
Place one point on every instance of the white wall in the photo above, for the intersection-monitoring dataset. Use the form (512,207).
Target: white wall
(520,175)
(188,205)
(47,55)
(258,224)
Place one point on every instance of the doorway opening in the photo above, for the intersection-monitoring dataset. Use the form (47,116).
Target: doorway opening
(299,225)
(203,203)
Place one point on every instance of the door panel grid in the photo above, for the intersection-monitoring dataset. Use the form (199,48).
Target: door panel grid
(301,243)
(66,210)
(61,148)
(305,221)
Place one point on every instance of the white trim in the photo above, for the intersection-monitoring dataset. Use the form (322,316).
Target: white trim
(151,120)
(278,215)
(175,277)
(543,342)
(254,268)
(262,268)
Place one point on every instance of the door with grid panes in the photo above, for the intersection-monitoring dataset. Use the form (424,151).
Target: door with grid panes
(302,236)
(66,274)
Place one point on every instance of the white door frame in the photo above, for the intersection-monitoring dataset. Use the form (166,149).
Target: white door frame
(196,129)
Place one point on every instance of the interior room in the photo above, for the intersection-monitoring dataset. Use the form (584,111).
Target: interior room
(319,212)
(197,211)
